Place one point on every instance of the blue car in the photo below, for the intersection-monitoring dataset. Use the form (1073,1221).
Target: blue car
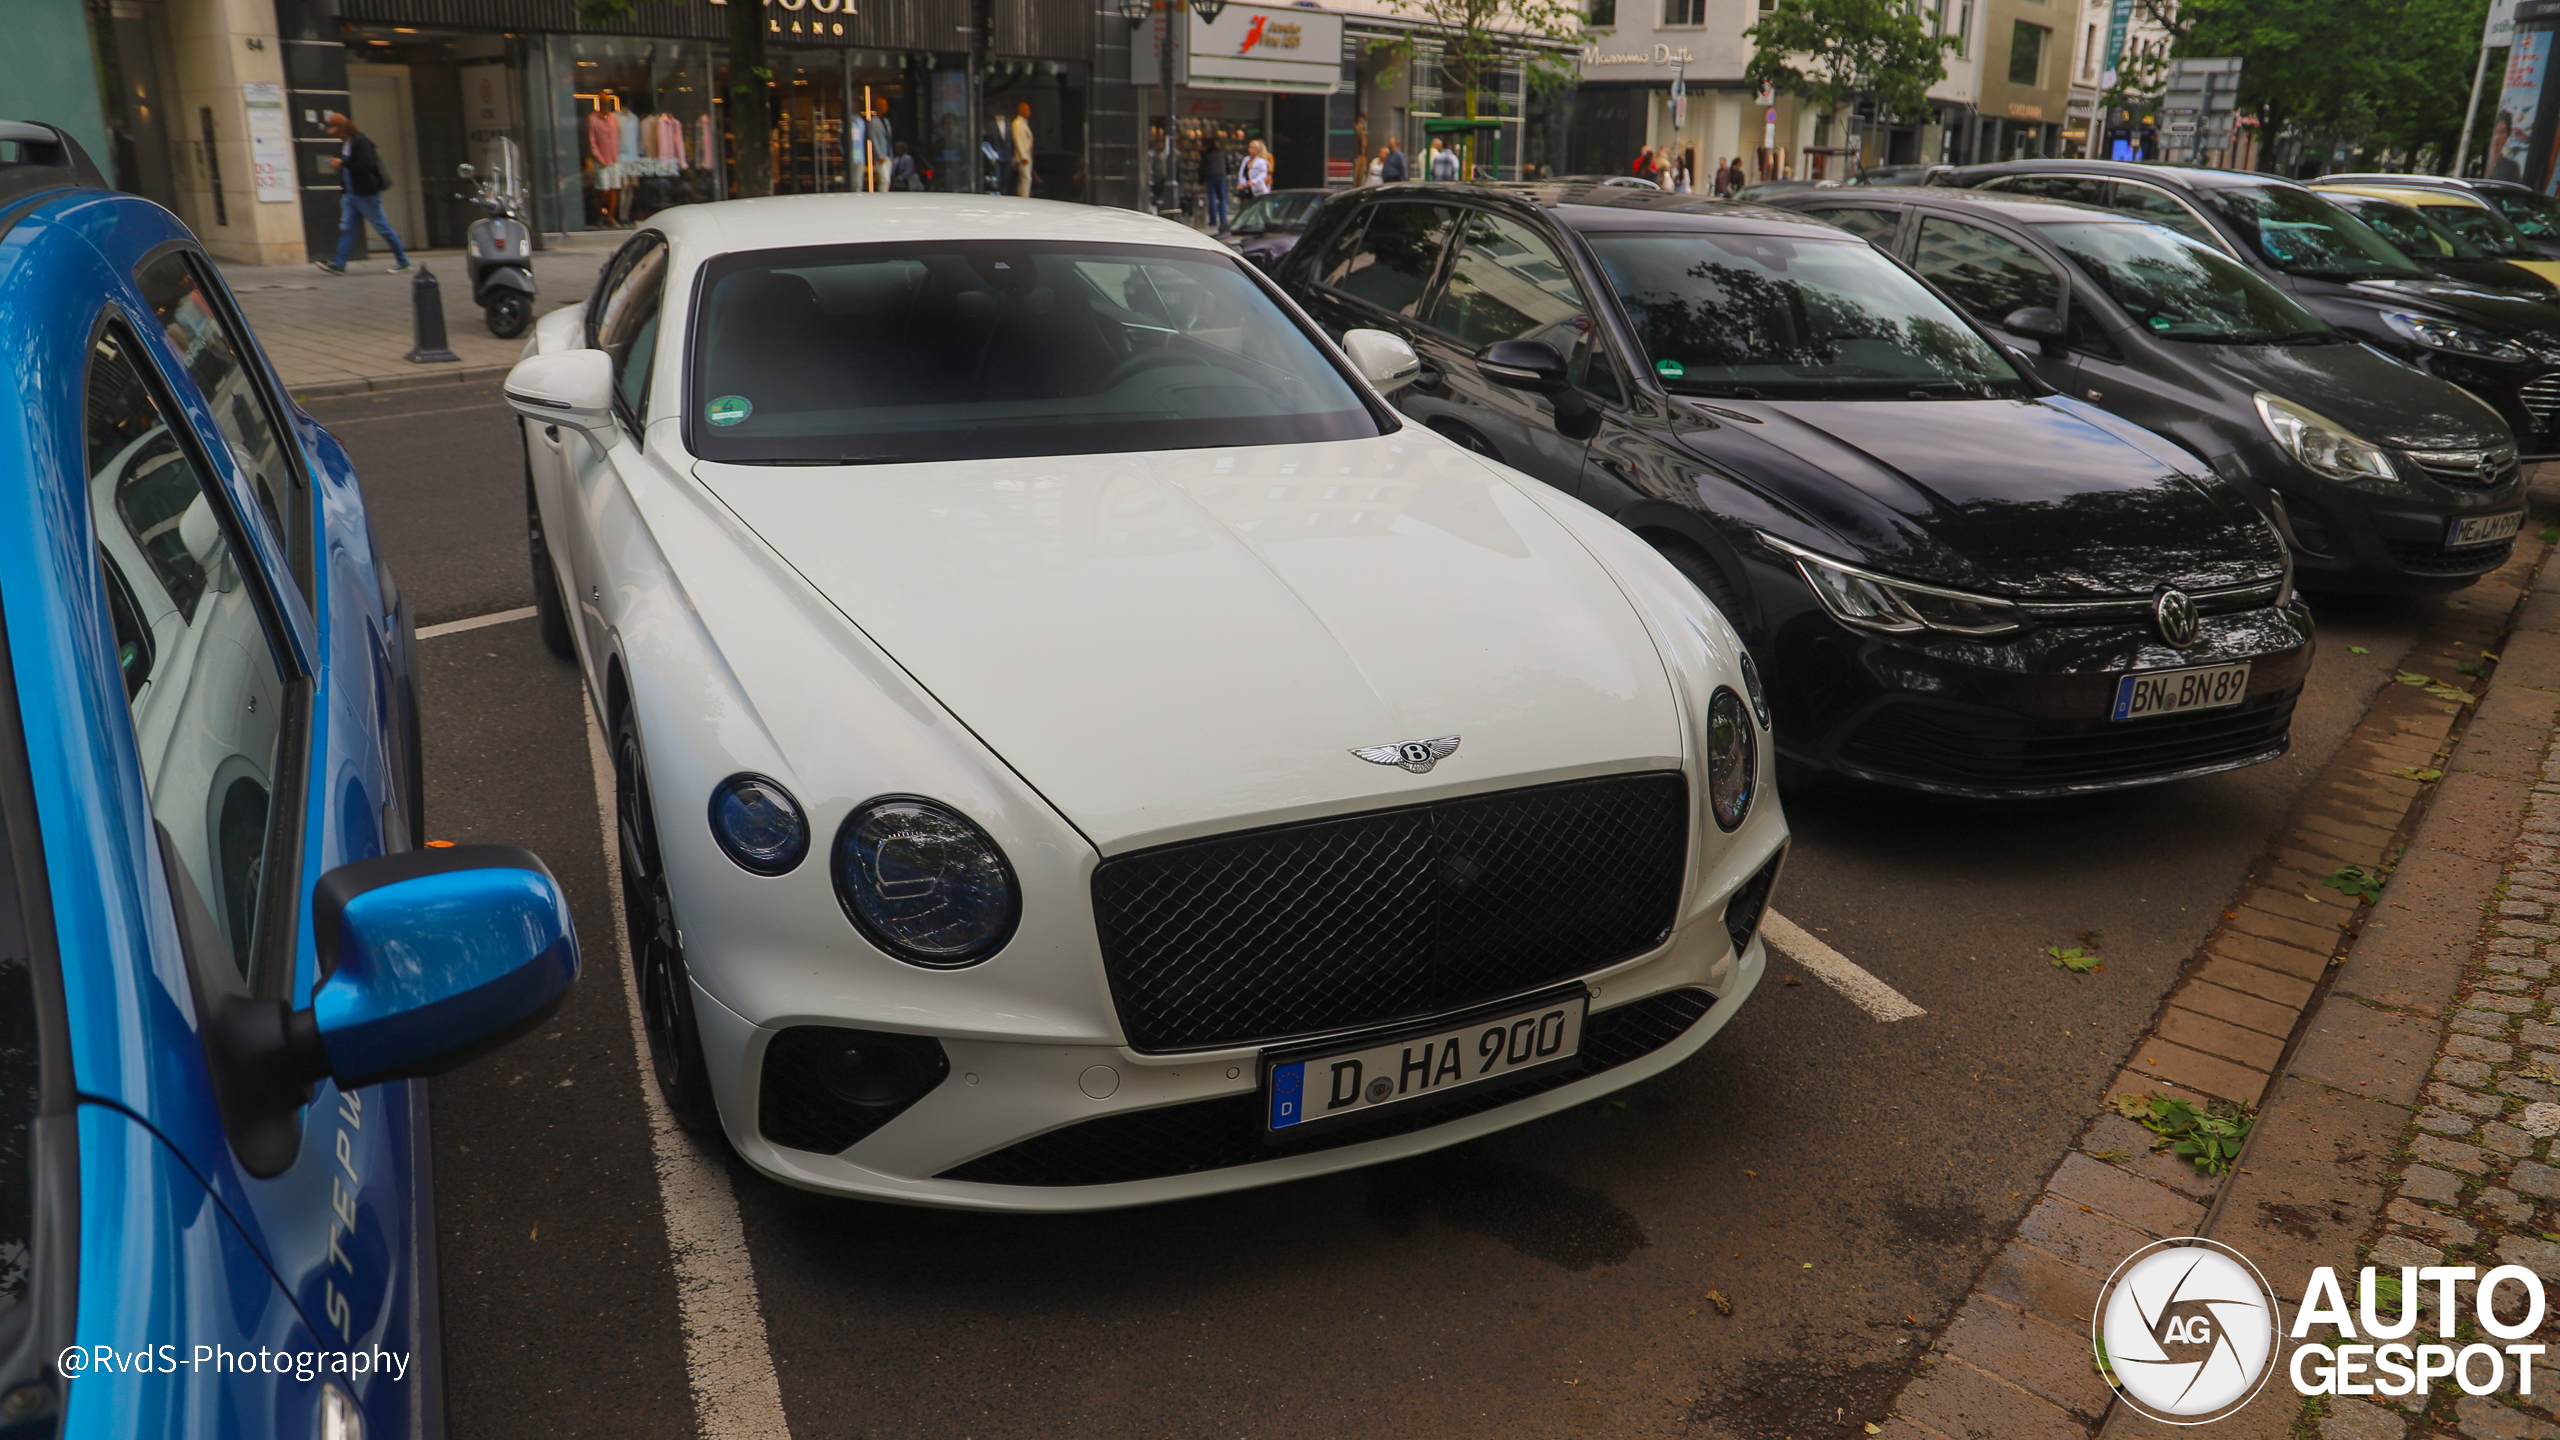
(224,959)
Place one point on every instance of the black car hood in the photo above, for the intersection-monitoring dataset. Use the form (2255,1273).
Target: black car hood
(2043,497)
(2378,398)
(2510,315)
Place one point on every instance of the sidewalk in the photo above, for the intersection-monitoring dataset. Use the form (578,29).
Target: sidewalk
(341,334)
(2405,1111)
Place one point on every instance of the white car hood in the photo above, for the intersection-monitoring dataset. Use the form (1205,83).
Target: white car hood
(1178,643)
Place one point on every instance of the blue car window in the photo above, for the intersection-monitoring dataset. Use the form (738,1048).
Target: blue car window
(200,671)
(251,423)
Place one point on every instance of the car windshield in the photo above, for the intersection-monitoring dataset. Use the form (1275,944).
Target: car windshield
(966,349)
(2483,227)
(2302,234)
(2535,216)
(1781,318)
(1287,210)
(2179,290)
(2411,231)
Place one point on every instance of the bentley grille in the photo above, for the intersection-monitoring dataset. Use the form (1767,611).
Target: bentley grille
(1391,915)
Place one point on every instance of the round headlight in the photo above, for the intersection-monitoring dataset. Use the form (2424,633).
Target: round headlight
(924,884)
(758,824)
(1733,759)
(1759,697)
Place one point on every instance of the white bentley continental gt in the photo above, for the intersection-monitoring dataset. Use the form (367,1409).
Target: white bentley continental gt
(1078,746)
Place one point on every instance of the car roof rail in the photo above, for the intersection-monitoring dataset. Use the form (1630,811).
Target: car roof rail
(35,156)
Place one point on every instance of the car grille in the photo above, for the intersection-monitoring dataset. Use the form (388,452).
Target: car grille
(2541,396)
(1749,900)
(2138,609)
(1229,1131)
(1366,919)
(2428,559)
(2461,467)
(1943,745)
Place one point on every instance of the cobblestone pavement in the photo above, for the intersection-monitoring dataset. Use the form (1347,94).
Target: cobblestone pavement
(339,334)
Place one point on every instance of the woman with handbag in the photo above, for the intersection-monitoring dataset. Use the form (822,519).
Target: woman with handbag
(1257,169)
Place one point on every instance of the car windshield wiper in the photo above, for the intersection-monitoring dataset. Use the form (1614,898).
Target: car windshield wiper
(1707,388)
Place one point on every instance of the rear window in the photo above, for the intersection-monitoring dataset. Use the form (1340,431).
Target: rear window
(959,350)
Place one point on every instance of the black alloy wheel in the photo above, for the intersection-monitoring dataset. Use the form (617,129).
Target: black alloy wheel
(657,950)
(549,610)
(508,314)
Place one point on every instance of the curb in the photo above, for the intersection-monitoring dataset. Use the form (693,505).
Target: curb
(2304,1000)
(460,375)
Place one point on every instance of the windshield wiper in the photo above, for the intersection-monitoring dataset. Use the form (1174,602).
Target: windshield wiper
(1701,387)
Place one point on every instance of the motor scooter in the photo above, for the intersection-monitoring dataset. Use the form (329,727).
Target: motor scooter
(499,247)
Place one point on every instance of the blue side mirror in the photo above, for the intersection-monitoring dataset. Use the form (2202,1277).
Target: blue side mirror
(430,958)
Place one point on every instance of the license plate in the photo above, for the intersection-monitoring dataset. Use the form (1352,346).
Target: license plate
(1420,1066)
(2165,692)
(2482,529)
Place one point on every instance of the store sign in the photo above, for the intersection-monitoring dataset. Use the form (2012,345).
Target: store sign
(270,144)
(488,104)
(2025,112)
(1257,47)
(1594,57)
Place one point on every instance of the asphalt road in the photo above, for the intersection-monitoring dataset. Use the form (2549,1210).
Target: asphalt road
(1840,1179)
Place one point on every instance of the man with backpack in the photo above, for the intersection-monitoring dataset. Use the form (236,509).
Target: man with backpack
(360,176)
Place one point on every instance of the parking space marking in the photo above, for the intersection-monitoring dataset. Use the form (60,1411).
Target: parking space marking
(736,1395)
(477,622)
(1835,970)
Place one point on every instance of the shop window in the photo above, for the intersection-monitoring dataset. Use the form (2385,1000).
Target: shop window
(647,138)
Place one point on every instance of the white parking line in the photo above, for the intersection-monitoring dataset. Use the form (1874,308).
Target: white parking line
(736,1395)
(1837,970)
(477,622)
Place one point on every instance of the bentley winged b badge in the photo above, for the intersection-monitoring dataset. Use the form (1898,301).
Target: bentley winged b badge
(1417,756)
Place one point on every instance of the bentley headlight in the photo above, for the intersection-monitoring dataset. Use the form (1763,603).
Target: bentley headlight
(758,825)
(1876,602)
(924,884)
(2452,336)
(1733,759)
(2321,443)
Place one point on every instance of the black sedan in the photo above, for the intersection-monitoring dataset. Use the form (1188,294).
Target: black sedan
(2503,348)
(2382,477)
(1268,225)
(1953,579)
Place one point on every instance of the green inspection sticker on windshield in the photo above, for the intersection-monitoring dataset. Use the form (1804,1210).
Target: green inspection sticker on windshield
(729,410)
(1669,369)
(2161,322)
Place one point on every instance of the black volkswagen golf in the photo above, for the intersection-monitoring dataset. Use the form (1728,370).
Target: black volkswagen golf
(2503,348)
(1952,578)
(2383,478)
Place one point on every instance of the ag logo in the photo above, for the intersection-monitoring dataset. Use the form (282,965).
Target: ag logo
(2189,1329)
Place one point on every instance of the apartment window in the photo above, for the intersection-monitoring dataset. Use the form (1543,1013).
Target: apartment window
(2026,54)
(1684,12)
(1964,27)
(1604,13)
(2089,55)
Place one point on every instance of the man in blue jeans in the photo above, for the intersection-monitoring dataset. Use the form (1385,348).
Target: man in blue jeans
(359,169)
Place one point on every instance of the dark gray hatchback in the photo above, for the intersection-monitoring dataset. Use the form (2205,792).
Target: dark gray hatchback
(2383,477)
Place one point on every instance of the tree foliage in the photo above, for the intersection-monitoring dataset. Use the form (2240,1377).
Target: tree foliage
(1848,49)
(750,113)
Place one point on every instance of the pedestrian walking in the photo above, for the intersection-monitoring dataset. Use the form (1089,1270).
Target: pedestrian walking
(1022,150)
(1391,164)
(1443,161)
(361,183)
(902,170)
(1213,182)
(1644,168)
(1257,169)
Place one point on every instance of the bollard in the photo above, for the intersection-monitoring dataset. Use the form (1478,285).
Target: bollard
(427,298)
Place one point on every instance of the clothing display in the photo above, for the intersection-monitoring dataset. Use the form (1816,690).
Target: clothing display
(628,139)
(662,138)
(604,137)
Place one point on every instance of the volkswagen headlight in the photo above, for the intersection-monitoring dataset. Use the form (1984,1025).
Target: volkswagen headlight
(1733,759)
(924,884)
(2451,336)
(2321,443)
(1876,602)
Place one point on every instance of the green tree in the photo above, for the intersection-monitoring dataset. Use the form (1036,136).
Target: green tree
(1477,36)
(2379,74)
(1848,48)
(750,113)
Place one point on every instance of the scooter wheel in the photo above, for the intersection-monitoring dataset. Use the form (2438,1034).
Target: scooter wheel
(509,314)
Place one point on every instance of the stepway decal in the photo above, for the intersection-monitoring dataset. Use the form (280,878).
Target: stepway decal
(2188,1328)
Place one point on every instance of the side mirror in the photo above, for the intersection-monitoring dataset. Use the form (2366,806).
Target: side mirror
(566,387)
(1382,358)
(2036,322)
(430,958)
(465,171)
(1531,365)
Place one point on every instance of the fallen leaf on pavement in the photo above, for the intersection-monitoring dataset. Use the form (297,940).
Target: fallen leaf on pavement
(1720,1300)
